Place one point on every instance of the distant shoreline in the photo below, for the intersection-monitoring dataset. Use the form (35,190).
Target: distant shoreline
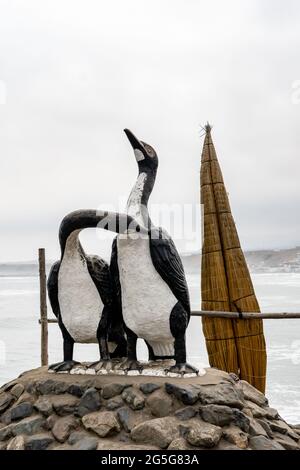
(259,261)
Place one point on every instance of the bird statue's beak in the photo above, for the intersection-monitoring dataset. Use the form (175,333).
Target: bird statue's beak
(135,143)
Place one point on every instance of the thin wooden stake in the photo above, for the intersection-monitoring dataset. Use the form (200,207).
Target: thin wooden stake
(43,308)
(245,315)
(233,315)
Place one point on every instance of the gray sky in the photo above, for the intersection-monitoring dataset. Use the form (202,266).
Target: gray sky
(77,72)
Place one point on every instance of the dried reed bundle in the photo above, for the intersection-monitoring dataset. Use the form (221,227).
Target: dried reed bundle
(233,345)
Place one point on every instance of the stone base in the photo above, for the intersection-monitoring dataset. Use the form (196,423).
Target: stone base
(215,411)
(150,369)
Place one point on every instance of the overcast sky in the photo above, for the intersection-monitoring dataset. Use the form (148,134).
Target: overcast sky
(73,74)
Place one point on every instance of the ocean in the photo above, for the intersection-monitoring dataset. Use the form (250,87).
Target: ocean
(20,334)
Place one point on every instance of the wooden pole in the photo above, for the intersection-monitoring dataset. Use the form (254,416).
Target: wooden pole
(49,320)
(244,315)
(43,308)
(234,315)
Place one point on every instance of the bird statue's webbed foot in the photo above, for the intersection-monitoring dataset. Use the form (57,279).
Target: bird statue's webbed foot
(64,366)
(182,368)
(132,364)
(103,364)
(118,359)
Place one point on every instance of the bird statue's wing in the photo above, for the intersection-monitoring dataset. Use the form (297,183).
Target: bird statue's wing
(114,271)
(168,264)
(52,288)
(99,272)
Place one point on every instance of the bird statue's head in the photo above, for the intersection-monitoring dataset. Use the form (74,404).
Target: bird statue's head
(145,155)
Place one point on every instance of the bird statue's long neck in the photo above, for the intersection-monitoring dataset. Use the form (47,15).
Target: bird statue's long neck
(137,204)
(72,246)
(76,221)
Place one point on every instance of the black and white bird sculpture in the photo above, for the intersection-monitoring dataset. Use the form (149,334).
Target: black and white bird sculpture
(80,290)
(149,278)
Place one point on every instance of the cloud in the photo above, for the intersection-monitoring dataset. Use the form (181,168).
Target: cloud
(77,73)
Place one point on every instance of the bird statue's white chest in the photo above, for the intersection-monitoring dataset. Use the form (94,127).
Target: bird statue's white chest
(147,300)
(79,300)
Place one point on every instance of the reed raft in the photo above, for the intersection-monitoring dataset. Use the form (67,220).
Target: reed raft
(233,345)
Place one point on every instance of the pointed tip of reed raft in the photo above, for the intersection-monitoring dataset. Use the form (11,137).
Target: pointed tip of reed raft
(207,128)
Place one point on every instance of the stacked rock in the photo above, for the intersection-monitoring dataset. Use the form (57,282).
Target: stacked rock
(45,411)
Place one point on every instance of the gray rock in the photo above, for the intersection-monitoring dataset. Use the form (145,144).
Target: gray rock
(90,401)
(241,420)
(221,394)
(64,404)
(87,443)
(188,394)
(234,435)
(201,434)
(260,412)
(114,403)
(266,427)
(233,377)
(5,401)
(252,394)
(106,444)
(225,445)
(149,388)
(278,426)
(8,386)
(6,432)
(220,415)
(111,390)
(179,444)
(272,413)
(6,417)
(247,412)
(64,446)
(16,443)
(77,436)
(17,390)
(77,390)
(43,405)
(287,442)
(126,418)
(48,387)
(257,411)
(50,421)
(256,429)
(283,428)
(38,442)
(102,423)
(21,411)
(263,443)
(295,427)
(129,419)
(159,432)
(26,398)
(2,445)
(134,398)
(160,403)
(185,413)
(29,426)
(62,428)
